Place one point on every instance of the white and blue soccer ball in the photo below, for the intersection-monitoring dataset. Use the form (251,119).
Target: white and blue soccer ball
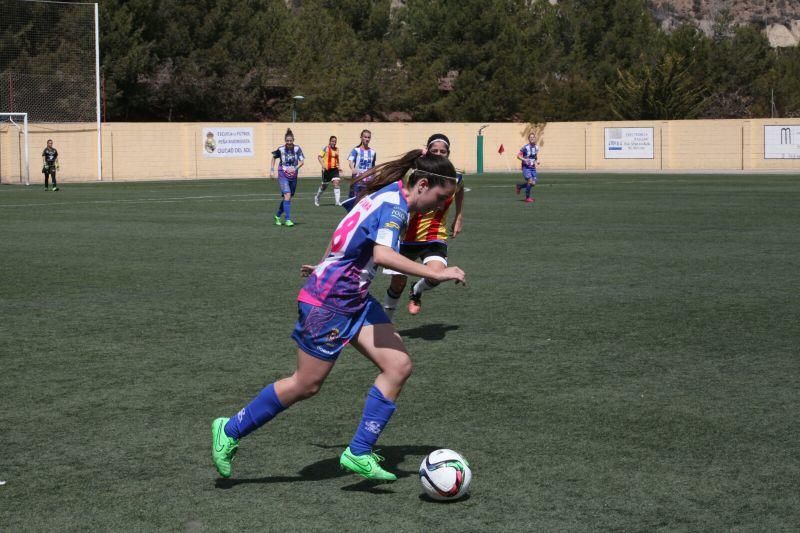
(445,475)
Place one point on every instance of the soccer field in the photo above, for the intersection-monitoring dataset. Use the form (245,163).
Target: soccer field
(624,357)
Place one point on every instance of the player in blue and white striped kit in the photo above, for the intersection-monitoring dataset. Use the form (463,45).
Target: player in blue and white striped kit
(336,309)
(362,159)
(291,159)
(529,155)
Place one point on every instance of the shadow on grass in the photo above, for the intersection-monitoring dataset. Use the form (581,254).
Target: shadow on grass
(428,332)
(329,469)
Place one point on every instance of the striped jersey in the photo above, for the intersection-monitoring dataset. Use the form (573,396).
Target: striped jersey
(289,159)
(431,226)
(330,157)
(363,159)
(529,152)
(341,281)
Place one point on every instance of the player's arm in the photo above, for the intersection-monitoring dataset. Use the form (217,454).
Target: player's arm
(321,161)
(458,220)
(272,164)
(388,258)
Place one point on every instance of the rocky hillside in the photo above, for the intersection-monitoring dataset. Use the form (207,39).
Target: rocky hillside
(779,18)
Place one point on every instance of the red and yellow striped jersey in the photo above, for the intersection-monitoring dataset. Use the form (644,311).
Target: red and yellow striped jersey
(330,157)
(430,226)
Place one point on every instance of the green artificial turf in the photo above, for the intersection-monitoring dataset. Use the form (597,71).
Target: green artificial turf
(625,357)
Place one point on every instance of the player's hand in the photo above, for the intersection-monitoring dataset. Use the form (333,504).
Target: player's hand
(451,273)
(307,270)
(271,174)
(456,229)
(58,166)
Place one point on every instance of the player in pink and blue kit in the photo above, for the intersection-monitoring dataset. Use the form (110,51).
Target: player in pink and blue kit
(529,155)
(291,159)
(336,309)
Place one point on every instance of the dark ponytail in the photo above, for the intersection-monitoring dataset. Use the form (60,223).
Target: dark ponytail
(438,170)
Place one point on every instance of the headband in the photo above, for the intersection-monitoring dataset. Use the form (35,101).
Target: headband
(454,178)
(439,139)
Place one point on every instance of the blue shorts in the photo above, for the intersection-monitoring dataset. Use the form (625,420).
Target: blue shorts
(356,189)
(324,333)
(529,173)
(287,185)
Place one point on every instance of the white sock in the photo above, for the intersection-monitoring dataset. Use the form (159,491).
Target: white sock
(336,197)
(422,286)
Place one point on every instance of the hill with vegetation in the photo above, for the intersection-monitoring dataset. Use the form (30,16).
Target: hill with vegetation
(443,60)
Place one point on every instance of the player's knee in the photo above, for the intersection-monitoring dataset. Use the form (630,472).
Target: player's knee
(402,368)
(302,388)
(398,284)
(308,389)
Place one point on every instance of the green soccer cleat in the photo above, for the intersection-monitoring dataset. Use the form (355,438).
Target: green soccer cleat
(278,221)
(365,466)
(223,448)
(288,223)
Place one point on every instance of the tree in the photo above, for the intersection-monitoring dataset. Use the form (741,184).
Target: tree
(665,91)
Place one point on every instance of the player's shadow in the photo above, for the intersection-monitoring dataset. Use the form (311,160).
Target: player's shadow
(329,469)
(428,332)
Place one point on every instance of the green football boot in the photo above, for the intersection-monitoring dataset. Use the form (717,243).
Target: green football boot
(288,223)
(223,448)
(278,221)
(365,465)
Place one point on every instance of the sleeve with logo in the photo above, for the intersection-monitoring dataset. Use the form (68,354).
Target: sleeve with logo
(388,226)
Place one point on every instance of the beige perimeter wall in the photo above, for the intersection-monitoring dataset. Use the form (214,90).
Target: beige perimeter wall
(158,151)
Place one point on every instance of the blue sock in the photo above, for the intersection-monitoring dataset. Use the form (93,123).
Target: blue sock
(528,188)
(258,412)
(280,208)
(377,412)
(287,208)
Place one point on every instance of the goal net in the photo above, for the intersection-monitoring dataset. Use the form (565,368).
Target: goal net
(14,148)
(48,70)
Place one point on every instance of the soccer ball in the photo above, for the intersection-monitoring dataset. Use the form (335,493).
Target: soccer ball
(445,475)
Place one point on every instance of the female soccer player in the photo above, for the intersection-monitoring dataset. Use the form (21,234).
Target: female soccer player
(361,158)
(50,164)
(529,155)
(335,308)
(329,161)
(291,159)
(426,239)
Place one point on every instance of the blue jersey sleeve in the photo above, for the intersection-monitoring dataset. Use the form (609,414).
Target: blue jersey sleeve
(388,226)
(300,155)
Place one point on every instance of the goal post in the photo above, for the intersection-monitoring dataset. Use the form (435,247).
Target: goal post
(14,148)
(50,70)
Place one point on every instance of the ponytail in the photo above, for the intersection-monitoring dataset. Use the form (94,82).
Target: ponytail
(438,170)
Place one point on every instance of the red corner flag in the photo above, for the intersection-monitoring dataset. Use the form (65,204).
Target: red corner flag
(501,149)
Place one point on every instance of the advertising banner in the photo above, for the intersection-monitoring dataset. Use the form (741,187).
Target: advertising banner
(629,143)
(782,142)
(228,142)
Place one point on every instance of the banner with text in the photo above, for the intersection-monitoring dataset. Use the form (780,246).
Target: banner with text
(228,142)
(782,142)
(629,143)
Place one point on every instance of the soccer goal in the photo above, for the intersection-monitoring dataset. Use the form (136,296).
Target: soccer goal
(14,148)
